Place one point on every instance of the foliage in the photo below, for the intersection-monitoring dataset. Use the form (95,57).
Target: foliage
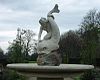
(89,75)
(28,42)
(1,51)
(69,45)
(33,57)
(32,61)
(89,32)
(77,78)
(85,42)
(11,75)
(3,59)
(15,54)
(21,47)
(96,73)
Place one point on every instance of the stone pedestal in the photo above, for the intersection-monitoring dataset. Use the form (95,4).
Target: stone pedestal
(62,72)
(68,79)
(34,78)
(49,78)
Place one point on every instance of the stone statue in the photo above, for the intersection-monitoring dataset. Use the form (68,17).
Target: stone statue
(47,48)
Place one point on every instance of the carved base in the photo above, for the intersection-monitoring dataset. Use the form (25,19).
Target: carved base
(50,78)
(41,78)
(51,59)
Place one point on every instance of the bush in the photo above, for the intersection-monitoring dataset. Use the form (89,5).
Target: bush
(91,75)
(11,75)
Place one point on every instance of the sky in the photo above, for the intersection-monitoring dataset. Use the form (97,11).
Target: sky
(25,14)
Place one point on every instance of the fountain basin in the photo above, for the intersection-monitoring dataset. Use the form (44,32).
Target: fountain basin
(50,72)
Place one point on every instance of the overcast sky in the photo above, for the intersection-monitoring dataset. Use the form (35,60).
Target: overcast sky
(26,14)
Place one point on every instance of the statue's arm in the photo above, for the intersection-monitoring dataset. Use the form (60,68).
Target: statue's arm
(40,32)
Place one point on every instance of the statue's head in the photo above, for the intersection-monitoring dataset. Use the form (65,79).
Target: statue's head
(43,21)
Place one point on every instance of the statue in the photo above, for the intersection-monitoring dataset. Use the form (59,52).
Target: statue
(47,48)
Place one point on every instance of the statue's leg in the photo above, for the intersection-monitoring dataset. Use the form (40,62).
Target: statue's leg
(54,10)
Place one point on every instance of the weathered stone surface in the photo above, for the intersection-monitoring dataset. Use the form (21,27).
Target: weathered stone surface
(50,79)
(52,59)
(50,72)
(50,41)
(62,67)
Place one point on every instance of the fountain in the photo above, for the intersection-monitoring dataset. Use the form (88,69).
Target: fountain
(48,66)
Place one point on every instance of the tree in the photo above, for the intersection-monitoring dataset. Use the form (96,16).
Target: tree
(1,52)
(2,58)
(89,31)
(11,75)
(28,42)
(19,50)
(33,57)
(69,46)
(15,54)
